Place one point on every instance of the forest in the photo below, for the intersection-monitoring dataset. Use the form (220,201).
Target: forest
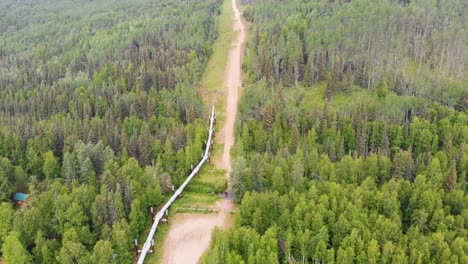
(351,138)
(99,117)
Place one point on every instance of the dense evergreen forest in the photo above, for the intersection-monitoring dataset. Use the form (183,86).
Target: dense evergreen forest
(351,138)
(98,103)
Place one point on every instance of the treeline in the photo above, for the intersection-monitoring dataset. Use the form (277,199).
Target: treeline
(354,174)
(418,47)
(345,223)
(346,141)
(99,117)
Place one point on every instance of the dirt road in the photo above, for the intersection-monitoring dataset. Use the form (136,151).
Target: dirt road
(233,82)
(190,233)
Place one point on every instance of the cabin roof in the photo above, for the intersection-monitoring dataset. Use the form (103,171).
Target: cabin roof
(22,197)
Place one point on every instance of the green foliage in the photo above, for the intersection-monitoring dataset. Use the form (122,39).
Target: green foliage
(99,116)
(103,252)
(137,217)
(361,42)
(51,168)
(72,252)
(382,89)
(363,159)
(13,251)
(7,213)
(122,242)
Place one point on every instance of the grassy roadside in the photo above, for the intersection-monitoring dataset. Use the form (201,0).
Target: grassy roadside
(158,247)
(214,93)
(211,84)
(211,179)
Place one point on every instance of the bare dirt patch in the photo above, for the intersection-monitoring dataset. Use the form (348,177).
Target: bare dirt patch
(190,234)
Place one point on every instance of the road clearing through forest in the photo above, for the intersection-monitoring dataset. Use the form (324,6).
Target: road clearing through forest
(233,82)
(190,233)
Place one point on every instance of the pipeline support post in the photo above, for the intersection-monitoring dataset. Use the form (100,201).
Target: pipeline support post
(136,247)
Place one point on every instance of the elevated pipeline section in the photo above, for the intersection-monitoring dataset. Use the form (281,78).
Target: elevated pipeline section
(149,240)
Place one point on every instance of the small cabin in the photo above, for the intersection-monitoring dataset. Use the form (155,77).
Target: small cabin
(20,199)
